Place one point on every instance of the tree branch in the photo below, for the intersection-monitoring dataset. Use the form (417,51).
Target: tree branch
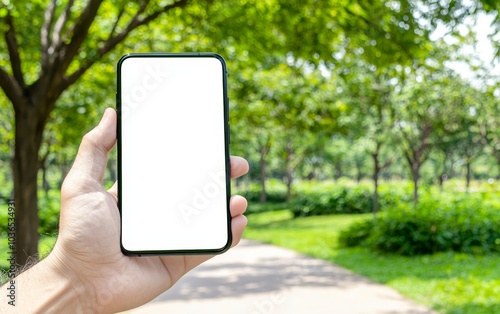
(130,26)
(11,88)
(79,31)
(136,22)
(407,150)
(425,147)
(57,38)
(115,25)
(387,163)
(113,41)
(13,48)
(45,30)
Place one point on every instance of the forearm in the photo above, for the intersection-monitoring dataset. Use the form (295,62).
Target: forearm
(46,288)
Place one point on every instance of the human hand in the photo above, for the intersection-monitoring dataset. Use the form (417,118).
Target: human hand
(87,252)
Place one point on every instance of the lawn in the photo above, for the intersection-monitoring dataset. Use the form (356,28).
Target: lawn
(447,282)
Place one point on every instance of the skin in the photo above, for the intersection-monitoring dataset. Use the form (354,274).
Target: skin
(86,271)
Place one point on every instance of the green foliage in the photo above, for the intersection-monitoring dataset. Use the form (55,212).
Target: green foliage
(6,149)
(48,212)
(275,190)
(314,198)
(465,224)
(330,201)
(357,233)
(341,198)
(3,221)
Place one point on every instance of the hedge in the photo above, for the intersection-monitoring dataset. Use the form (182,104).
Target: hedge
(344,199)
(464,224)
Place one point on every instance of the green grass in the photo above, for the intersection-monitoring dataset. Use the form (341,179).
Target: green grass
(448,282)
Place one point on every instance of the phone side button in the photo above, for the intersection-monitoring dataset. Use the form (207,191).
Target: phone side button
(229,133)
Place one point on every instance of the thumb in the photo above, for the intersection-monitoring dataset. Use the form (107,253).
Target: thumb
(90,163)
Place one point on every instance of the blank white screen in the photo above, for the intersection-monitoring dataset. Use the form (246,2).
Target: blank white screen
(173,189)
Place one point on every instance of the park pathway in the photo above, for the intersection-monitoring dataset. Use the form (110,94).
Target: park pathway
(256,278)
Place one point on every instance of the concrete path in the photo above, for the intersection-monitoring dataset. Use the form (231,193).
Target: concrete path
(255,278)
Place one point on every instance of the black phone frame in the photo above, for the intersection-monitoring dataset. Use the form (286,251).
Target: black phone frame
(226,148)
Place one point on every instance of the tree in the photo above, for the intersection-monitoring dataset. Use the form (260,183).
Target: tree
(462,140)
(304,110)
(255,115)
(430,108)
(370,91)
(283,106)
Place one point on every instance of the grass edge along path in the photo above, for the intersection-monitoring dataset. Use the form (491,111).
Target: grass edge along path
(447,282)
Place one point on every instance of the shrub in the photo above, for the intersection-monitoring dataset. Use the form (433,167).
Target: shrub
(275,191)
(464,224)
(357,233)
(318,202)
(333,198)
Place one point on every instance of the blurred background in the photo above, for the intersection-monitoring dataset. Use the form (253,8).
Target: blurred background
(371,127)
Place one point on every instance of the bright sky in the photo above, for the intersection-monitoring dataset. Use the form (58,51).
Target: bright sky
(483,50)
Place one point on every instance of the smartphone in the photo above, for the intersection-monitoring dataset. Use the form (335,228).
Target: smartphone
(173,154)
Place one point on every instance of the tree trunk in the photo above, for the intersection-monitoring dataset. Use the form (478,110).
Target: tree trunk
(45,182)
(359,172)
(289,169)
(441,180)
(112,169)
(289,179)
(312,175)
(337,170)
(263,173)
(498,165)
(468,175)
(442,176)
(43,168)
(376,172)
(415,172)
(28,137)
(375,207)
(64,167)
(263,178)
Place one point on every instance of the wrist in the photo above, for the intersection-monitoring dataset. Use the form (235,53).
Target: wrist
(46,287)
(76,292)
